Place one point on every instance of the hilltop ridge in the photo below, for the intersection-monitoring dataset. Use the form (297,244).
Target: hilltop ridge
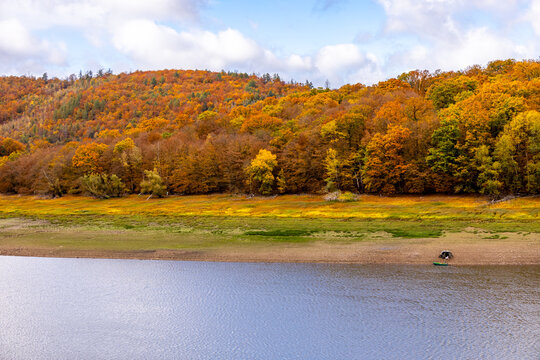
(469,131)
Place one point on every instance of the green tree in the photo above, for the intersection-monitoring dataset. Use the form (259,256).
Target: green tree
(331,166)
(503,111)
(445,93)
(487,180)
(251,86)
(443,154)
(103,186)
(337,171)
(509,172)
(357,162)
(153,184)
(518,152)
(129,157)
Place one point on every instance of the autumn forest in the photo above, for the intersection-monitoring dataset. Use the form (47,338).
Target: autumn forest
(475,130)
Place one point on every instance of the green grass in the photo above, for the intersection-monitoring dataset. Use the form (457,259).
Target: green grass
(415,233)
(204,222)
(285,227)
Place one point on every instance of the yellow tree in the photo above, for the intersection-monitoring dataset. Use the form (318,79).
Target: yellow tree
(260,171)
(331,166)
(518,153)
(337,170)
(9,146)
(129,157)
(87,158)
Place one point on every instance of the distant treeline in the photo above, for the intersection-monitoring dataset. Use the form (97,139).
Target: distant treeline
(196,132)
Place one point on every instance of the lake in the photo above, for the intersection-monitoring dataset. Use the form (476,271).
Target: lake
(131,309)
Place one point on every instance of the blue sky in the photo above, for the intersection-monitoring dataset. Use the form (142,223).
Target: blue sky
(344,41)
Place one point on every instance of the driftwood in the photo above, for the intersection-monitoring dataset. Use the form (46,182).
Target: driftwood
(510,197)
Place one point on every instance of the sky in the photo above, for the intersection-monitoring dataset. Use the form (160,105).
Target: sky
(342,41)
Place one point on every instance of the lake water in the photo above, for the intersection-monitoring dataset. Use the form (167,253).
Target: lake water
(130,309)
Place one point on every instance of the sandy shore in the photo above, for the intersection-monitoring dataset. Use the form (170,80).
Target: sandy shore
(470,246)
(354,254)
(514,250)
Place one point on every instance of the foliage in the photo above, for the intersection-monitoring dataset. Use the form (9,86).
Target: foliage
(518,153)
(469,131)
(87,158)
(103,186)
(260,171)
(153,184)
(128,156)
(488,172)
(386,169)
(331,164)
(445,93)
(9,146)
(281,182)
(341,196)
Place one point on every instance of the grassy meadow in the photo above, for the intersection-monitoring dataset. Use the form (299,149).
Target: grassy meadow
(209,221)
(221,219)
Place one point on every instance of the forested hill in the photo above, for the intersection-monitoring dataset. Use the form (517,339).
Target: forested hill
(192,132)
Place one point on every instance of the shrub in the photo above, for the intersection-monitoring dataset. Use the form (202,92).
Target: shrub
(347,196)
(342,197)
(103,186)
(153,184)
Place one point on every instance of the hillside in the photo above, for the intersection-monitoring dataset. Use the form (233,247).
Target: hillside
(470,131)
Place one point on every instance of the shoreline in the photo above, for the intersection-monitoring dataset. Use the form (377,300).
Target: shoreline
(189,256)
(289,228)
(397,252)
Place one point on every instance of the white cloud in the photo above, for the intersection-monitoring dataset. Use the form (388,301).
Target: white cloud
(15,39)
(142,34)
(445,20)
(335,57)
(299,63)
(477,46)
(346,63)
(444,40)
(159,46)
(19,50)
(42,14)
(139,30)
(533,15)
(454,34)
(25,44)
(420,16)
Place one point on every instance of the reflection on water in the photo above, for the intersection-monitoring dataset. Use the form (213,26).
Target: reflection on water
(129,309)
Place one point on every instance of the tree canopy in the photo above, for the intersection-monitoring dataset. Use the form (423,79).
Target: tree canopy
(471,131)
